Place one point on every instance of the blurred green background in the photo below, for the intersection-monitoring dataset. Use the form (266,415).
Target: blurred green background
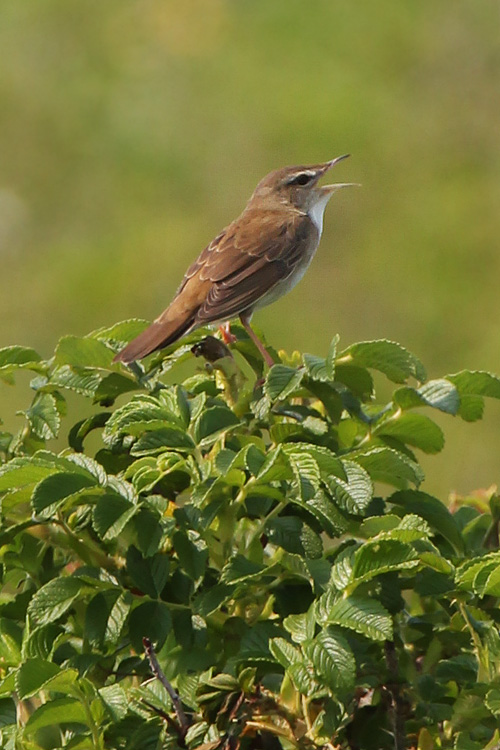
(133,131)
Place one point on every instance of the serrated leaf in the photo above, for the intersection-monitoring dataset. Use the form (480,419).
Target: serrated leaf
(332,659)
(149,574)
(56,712)
(431,510)
(83,352)
(319,368)
(363,615)
(281,381)
(78,380)
(301,627)
(374,558)
(212,422)
(54,599)
(18,355)
(157,441)
(305,469)
(295,536)
(355,493)
(111,514)
(389,466)
(24,471)
(388,357)
(472,386)
(38,674)
(440,394)
(122,332)
(240,568)
(114,385)
(192,552)
(321,507)
(284,652)
(43,416)
(115,699)
(275,467)
(52,491)
(417,430)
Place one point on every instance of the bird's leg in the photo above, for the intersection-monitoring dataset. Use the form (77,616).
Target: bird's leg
(258,343)
(225,332)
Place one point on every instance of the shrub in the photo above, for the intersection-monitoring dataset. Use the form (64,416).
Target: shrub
(265,540)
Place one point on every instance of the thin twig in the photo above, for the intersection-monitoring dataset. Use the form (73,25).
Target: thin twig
(174,696)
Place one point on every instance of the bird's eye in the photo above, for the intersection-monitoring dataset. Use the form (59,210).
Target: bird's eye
(301,179)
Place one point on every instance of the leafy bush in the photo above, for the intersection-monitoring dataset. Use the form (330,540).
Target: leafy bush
(243,527)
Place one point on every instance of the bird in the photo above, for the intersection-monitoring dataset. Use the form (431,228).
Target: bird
(254,261)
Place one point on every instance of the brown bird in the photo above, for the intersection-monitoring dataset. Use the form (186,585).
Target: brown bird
(251,263)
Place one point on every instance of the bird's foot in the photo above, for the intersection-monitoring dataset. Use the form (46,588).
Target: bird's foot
(227,336)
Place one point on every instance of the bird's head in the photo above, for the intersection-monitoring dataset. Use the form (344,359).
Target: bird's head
(298,186)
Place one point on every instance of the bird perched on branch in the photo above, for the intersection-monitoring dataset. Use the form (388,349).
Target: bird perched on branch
(251,263)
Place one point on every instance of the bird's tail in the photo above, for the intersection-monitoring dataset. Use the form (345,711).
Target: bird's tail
(157,336)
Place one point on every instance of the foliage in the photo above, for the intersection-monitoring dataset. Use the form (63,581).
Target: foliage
(269,537)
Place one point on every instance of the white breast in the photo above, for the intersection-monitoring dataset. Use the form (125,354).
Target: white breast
(317,211)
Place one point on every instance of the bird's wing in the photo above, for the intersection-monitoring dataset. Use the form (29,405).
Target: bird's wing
(248,259)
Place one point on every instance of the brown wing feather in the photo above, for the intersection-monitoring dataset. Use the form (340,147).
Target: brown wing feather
(244,262)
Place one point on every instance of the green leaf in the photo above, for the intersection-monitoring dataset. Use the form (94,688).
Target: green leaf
(149,574)
(319,368)
(156,441)
(376,557)
(305,469)
(81,429)
(150,620)
(472,386)
(389,466)
(78,380)
(83,352)
(213,422)
(18,355)
(440,394)
(54,599)
(281,381)
(111,514)
(52,491)
(492,701)
(120,333)
(357,379)
(115,699)
(332,659)
(24,471)
(43,416)
(324,510)
(112,386)
(240,568)
(301,627)
(8,712)
(355,493)
(433,511)
(59,711)
(284,652)
(37,674)
(192,553)
(361,614)
(413,429)
(390,358)
(295,536)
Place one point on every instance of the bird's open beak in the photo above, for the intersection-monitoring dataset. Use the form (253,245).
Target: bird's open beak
(332,188)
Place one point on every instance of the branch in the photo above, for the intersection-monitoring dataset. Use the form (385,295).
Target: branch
(174,696)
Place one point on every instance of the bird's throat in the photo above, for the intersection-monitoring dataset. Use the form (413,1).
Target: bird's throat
(317,210)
